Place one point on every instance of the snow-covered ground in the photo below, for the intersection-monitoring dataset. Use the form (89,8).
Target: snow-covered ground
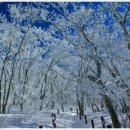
(67,119)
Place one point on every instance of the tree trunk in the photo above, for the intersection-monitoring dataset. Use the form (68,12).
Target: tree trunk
(0,96)
(125,108)
(114,117)
(62,107)
(81,107)
(21,106)
(3,109)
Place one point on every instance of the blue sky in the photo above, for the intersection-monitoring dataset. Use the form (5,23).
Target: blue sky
(4,10)
(45,24)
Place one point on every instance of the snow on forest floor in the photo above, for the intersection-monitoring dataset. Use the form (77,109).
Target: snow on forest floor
(68,119)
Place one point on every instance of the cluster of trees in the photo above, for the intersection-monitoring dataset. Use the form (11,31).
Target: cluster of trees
(81,58)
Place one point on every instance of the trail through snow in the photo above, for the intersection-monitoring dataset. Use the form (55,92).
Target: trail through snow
(67,119)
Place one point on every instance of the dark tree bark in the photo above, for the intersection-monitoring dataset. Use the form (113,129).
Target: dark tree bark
(80,105)
(114,117)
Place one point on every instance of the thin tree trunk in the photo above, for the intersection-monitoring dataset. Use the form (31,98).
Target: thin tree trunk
(80,105)
(21,106)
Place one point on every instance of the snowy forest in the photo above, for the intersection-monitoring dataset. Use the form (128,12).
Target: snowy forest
(65,65)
